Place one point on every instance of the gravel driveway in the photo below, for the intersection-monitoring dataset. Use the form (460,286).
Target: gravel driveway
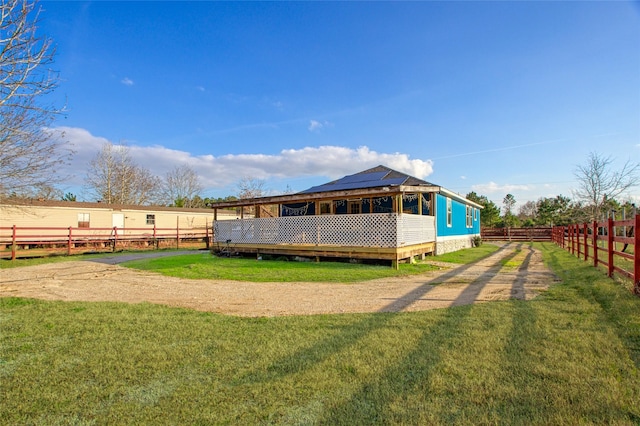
(482,281)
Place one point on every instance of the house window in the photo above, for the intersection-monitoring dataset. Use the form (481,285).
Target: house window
(354,207)
(325,207)
(475,214)
(449,213)
(469,217)
(83,220)
(151,219)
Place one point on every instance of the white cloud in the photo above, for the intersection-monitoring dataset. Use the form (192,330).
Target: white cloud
(316,126)
(493,188)
(219,172)
(127,81)
(200,89)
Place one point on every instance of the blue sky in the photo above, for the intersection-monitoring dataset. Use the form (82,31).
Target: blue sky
(492,97)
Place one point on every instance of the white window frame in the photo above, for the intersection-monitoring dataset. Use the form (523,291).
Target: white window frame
(449,213)
(151,219)
(84,218)
(469,217)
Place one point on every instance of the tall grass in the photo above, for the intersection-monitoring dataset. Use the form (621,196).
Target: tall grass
(570,356)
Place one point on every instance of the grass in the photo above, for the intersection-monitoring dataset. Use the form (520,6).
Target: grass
(570,356)
(205,266)
(56,258)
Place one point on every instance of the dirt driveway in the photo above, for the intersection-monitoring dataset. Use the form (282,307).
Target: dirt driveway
(514,271)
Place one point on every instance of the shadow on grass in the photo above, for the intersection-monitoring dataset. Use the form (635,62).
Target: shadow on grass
(589,282)
(308,357)
(414,371)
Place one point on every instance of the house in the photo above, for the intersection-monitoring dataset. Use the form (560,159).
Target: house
(29,222)
(378,213)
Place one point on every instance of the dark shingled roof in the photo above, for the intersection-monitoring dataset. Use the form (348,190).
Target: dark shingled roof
(376,177)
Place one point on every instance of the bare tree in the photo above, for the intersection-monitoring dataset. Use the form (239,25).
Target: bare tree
(249,187)
(181,187)
(114,178)
(29,155)
(509,202)
(598,183)
(528,210)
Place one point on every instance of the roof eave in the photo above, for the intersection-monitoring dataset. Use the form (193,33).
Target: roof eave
(317,196)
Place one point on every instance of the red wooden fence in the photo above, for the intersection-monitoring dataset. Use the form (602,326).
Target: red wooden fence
(516,234)
(614,244)
(18,241)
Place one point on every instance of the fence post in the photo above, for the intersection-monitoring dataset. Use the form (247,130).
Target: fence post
(595,244)
(69,243)
(177,232)
(585,229)
(572,238)
(155,241)
(13,243)
(578,242)
(636,256)
(610,247)
(115,238)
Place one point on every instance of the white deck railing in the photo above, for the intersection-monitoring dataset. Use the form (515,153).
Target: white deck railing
(361,230)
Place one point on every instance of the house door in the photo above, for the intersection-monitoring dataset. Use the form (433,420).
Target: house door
(117,220)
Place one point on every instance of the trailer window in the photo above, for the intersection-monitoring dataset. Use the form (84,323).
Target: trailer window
(151,219)
(83,220)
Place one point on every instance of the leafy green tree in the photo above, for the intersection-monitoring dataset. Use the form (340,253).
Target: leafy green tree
(69,197)
(554,211)
(490,212)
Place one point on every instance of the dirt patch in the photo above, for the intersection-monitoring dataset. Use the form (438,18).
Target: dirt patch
(514,271)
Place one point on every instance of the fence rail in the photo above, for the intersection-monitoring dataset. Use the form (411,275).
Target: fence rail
(517,234)
(17,241)
(614,244)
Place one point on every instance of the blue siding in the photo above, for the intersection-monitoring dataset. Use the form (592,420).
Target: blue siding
(459,218)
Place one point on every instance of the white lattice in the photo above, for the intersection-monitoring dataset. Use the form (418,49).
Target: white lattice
(415,229)
(363,230)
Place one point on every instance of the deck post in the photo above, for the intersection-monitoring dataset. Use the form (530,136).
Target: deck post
(206,234)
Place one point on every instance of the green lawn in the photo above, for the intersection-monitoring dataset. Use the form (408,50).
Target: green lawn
(570,356)
(205,266)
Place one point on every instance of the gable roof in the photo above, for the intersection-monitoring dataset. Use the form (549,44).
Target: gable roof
(376,177)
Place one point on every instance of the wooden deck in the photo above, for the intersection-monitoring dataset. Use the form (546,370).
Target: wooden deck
(317,252)
(387,236)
